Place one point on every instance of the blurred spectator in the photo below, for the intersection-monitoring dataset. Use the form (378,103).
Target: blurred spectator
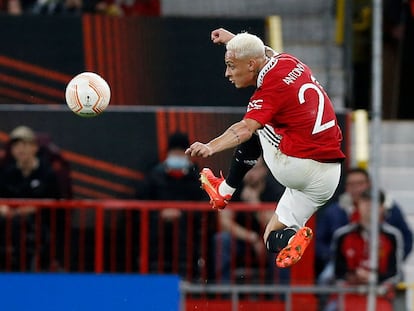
(55,7)
(26,175)
(351,249)
(343,211)
(239,237)
(16,7)
(128,7)
(77,7)
(174,179)
(42,7)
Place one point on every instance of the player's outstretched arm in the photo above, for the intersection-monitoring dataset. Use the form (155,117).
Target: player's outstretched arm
(235,135)
(221,35)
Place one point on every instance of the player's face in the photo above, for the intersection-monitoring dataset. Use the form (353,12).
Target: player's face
(239,71)
(23,151)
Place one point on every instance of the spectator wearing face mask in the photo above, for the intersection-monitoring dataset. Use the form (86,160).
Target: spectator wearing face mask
(174,179)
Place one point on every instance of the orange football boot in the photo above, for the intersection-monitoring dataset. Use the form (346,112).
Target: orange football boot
(293,252)
(210,184)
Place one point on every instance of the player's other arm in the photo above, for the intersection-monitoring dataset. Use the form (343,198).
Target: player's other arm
(222,36)
(235,135)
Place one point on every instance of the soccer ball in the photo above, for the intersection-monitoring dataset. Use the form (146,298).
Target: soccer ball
(87,94)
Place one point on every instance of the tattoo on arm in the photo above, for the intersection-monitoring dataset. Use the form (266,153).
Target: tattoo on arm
(236,135)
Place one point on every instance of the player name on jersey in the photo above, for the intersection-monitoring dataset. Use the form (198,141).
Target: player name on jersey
(294,74)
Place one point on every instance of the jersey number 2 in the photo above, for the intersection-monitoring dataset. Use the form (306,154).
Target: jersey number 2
(318,127)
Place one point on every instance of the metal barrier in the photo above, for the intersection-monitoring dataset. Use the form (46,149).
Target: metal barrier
(113,236)
(127,236)
(295,297)
(236,290)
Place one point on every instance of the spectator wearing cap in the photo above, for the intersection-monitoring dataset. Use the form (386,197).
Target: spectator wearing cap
(173,179)
(25,175)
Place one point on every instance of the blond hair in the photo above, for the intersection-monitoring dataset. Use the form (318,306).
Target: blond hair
(245,45)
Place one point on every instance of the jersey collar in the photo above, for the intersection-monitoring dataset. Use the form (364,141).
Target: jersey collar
(270,64)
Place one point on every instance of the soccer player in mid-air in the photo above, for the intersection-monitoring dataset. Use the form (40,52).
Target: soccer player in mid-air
(291,120)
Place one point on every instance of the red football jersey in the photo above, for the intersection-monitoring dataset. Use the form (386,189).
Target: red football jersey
(292,102)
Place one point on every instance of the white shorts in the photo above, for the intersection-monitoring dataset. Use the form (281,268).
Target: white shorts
(309,184)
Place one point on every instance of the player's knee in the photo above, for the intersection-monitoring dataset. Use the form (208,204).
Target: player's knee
(278,239)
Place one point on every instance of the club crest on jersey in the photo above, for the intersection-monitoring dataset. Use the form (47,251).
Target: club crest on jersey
(255,104)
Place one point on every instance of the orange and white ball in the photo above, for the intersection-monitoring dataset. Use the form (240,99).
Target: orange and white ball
(88,94)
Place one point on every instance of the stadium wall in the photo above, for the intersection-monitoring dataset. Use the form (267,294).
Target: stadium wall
(108,154)
(146,60)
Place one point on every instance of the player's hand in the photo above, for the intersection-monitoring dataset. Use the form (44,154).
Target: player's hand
(221,35)
(199,150)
